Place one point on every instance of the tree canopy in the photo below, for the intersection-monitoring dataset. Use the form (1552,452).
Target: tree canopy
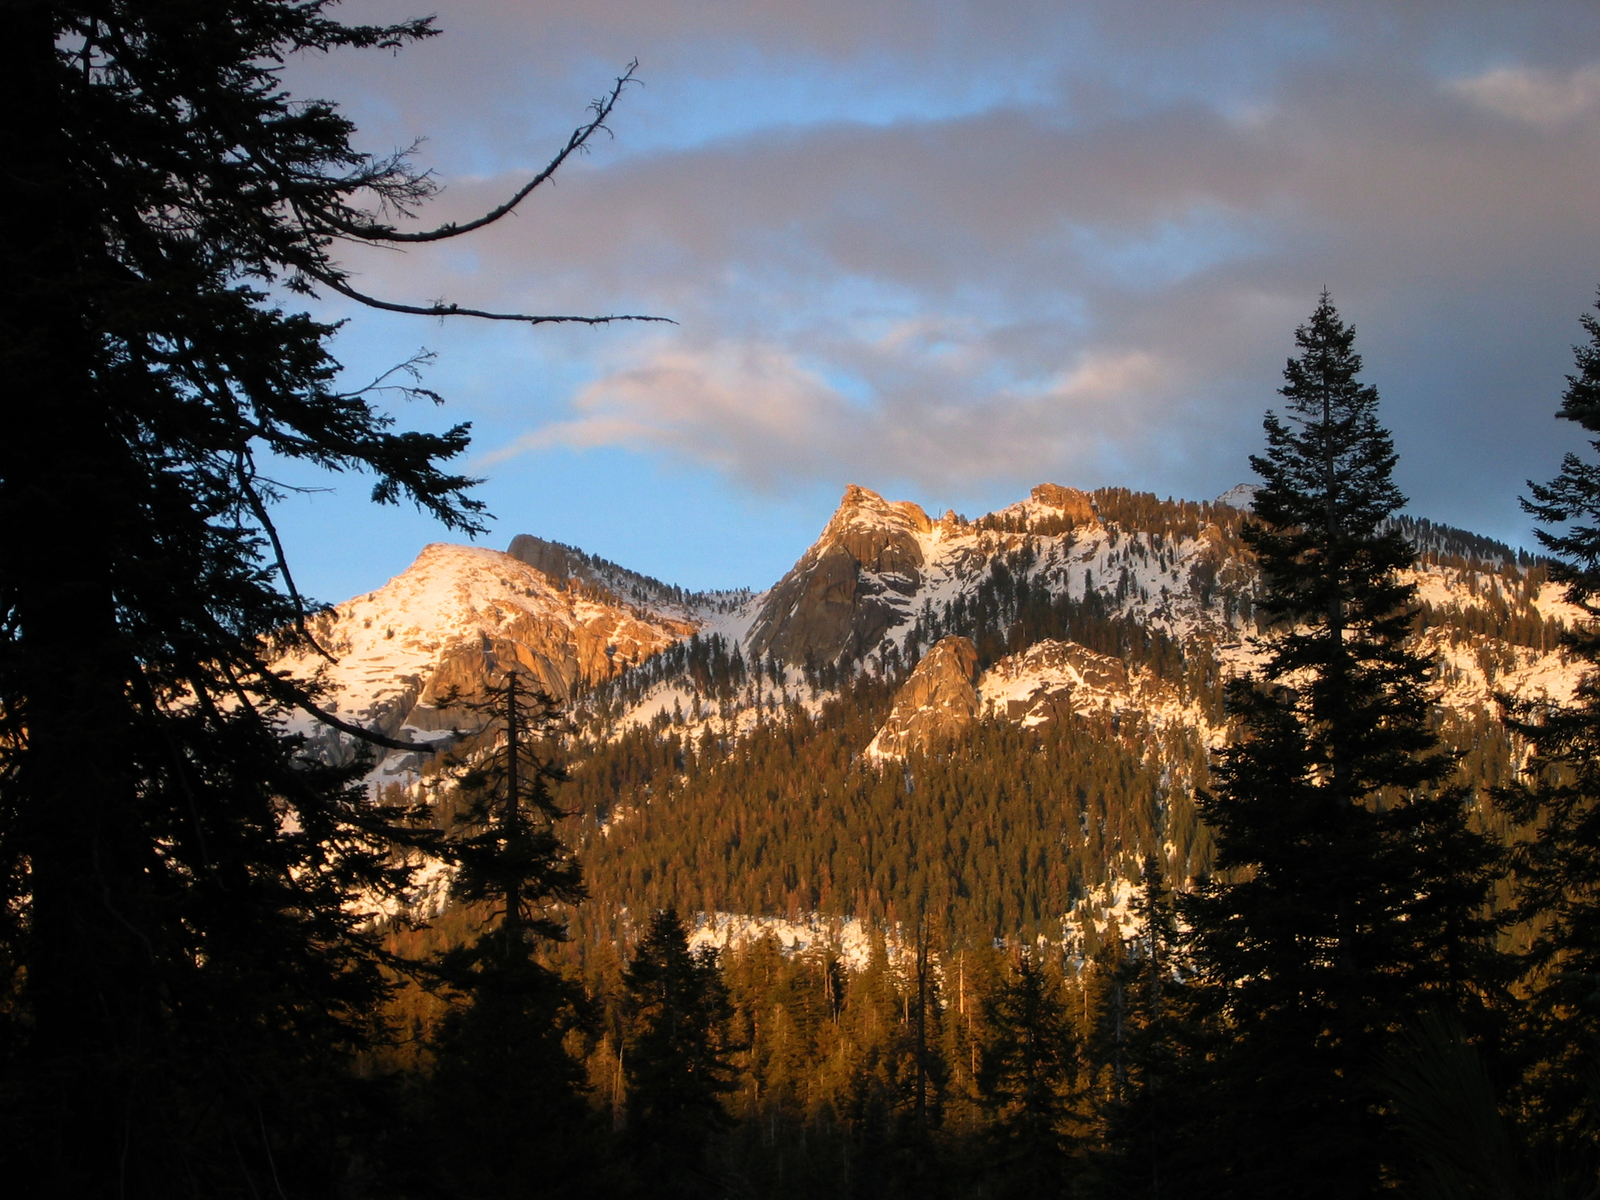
(185,882)
(1351,895)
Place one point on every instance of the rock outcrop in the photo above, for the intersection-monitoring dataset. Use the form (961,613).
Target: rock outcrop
(1075,507)
(935,705)
(1049,681)
(460,615)
(553,560)
(1053,679)
(851,588)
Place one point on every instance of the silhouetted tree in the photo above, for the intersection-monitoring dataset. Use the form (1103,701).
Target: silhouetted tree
(1354,895)
(506,1112)
(676,1057)
(1145,1119)
(185,882)
(1557,865)
(1025,1082)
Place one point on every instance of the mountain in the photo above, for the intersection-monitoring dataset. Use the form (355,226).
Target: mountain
(1145,595)
(458,615)
(915,704)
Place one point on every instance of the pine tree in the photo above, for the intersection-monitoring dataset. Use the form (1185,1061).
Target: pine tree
(1352,894)
(185,883)
(676,1057)
(506,1109)
(1145,1112)
(1557,864)
(1027,1074)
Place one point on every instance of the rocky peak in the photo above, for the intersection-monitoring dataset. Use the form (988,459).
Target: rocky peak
(1240,495)
(935,705)
(558,562)
(850,587)
(1052,679)
(1073,505)
(881,535)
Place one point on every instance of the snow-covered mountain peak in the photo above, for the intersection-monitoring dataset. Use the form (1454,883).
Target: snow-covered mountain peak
(1241,496)
(459,614)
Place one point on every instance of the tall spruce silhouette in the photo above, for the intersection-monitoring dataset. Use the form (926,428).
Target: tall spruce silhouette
(506,1109)
(676,1057)
(1144,1113)
(1557,862)
(1025,1082)
(190,967)
(1351,895)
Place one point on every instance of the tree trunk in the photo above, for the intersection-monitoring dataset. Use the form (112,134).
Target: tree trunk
(90,955)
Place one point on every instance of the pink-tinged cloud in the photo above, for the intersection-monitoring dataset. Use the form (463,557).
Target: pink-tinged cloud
(1090,277)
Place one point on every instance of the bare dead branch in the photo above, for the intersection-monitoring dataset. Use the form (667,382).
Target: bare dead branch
(288,693)
(580,136)
(455,310)
(246,469)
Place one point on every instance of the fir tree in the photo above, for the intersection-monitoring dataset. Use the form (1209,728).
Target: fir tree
(1143,1119)
(1027,1073)
(1353,894)
(190,967)
(676,1057)
(505,1098)
(1557,865)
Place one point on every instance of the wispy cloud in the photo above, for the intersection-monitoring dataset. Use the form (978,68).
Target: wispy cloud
(1536,95)
(1089,267)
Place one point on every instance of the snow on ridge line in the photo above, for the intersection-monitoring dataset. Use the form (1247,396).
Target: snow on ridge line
(1106,909)
(849,937)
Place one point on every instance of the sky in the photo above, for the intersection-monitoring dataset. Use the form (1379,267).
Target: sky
(951,250)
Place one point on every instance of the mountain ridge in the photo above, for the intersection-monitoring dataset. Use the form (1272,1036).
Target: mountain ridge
(1097,629)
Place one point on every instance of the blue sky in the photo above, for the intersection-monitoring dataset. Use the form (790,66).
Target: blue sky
(951,250)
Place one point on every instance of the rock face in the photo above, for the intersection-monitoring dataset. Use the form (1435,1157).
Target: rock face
(555,561)
(1075,507)
(1049,681)
(564,564)
(935,705)
(850,588)
(1054,679)
(460,615)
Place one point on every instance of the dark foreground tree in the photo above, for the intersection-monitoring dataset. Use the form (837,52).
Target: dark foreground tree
(505,1109)
(187,963)
(1557,865)
(1144,1013)
(1352,895)
(676,1058)
(1026,1081)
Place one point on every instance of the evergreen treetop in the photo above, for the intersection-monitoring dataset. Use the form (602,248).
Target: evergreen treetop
(1331,572)
(677,1050)
(1352,894)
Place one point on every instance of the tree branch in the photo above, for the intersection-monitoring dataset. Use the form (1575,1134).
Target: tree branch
(248,491)
(580,137)
(455,310)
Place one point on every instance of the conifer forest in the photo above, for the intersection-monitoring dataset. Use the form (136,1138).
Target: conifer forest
(1283,924)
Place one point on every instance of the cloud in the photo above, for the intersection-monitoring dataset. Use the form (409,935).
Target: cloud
(1087,265)
(757,413)
(1535,95)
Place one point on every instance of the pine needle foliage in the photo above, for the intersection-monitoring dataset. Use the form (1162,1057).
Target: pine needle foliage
(1351,892)
(189,966)
(1557,861)
(677,1057)
(504,843)
(1029,1069)
(505,1098)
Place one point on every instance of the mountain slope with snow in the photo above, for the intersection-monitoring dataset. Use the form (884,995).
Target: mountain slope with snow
(454,617)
